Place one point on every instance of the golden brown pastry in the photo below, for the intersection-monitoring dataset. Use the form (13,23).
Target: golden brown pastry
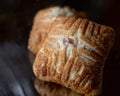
(42,22)
(49,88)
(52,89)
(74,53)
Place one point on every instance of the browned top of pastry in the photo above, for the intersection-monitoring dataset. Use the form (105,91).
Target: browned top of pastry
(42,23)
(73,54)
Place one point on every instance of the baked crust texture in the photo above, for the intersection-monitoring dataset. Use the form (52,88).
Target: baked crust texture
(74,53)
(42,22)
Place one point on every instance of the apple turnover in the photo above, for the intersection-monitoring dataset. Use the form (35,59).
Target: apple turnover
(42,22)
(73,54)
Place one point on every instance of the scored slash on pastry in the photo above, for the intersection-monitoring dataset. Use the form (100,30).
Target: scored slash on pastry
(43,21)
(73,54)
(49,88)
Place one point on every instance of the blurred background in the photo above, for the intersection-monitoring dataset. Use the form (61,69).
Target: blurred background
(16,18)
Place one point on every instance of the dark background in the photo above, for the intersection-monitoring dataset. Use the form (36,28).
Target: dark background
(16,18)
(16,15)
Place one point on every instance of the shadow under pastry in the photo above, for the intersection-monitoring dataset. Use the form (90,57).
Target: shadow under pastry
(52,89)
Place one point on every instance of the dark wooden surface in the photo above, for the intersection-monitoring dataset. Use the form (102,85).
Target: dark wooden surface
(15,24)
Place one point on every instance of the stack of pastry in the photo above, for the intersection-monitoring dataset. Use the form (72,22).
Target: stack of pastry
(42,24)
(71,51)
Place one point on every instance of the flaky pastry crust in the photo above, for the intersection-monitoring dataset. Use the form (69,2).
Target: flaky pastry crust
(42,23)
(74,53)
(48,88)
